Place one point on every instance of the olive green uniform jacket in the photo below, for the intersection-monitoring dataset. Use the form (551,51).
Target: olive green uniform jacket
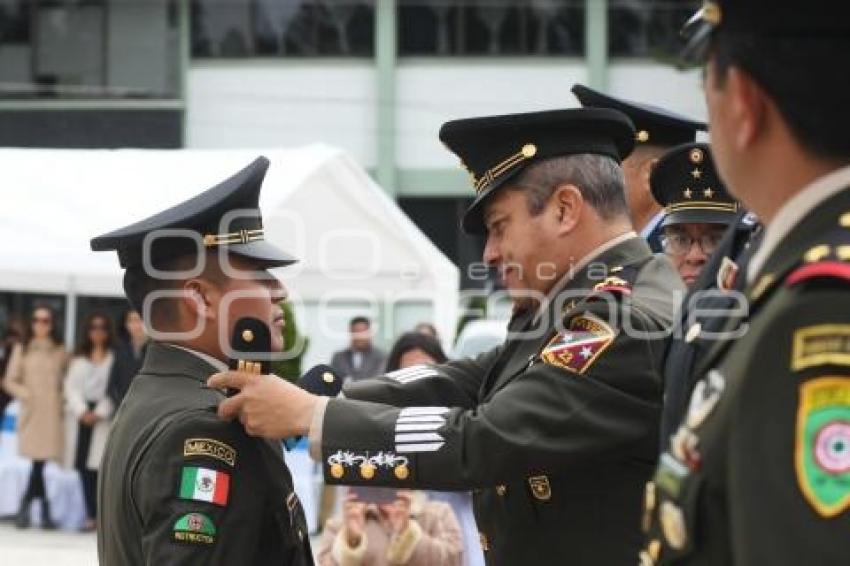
(179,486)
(556,431)
(759,471)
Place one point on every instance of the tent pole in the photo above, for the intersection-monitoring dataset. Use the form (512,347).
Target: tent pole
(70,313)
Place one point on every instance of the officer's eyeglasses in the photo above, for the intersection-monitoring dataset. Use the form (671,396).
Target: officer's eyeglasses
(680,244)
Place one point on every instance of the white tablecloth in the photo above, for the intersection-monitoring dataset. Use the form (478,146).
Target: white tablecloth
(64,490)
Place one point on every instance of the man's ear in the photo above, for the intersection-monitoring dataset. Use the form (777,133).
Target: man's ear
(567,206)
(200,298)
(747,107)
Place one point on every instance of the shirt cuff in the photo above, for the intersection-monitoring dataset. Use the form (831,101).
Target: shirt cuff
(314,437)
(402,546)
(345,555)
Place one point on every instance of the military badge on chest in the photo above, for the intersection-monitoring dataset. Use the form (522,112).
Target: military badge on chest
(580,345)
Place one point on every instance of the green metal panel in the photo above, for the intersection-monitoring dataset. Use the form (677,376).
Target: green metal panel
(385,60)
(453,182)
(596,43)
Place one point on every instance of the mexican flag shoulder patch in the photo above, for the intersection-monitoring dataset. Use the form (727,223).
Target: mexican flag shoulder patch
(205,484)
(822,444)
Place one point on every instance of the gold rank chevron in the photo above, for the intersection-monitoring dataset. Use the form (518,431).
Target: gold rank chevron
(528,151)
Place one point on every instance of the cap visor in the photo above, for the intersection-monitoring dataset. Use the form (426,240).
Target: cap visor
(698,217)
(263,252)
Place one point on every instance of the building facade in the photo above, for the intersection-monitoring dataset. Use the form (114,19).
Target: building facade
(375,77)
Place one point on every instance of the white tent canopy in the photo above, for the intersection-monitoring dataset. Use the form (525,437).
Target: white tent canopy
(357,249)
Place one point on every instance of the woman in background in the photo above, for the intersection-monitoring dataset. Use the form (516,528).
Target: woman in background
(89,408)
(129,355)
(34,377)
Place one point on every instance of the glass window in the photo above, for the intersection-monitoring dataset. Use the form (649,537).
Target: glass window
(490,27)
(294,28)
(89,49)
(647,28)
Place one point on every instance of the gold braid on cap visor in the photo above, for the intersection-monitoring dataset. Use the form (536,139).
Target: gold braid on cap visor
(240,237)
(528,151)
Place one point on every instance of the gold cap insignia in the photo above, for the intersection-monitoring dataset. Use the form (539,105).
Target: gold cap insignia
(697,156)
(337,471)
(247,335)
(540,487)
(642,136)
(328,377)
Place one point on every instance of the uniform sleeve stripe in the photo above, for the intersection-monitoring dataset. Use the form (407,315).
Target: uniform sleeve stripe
(412,378)
(417,437)
(423,447)
(420,426)
(422,419)
(411,411)
(413,372)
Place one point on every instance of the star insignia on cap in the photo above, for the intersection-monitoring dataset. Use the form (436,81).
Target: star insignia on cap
(696,173)
(688,193)
(708,193)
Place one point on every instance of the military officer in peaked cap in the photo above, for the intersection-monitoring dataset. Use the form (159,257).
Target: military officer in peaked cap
(698,213)
(697,208)
(556,430)
(759,470)
(177,484)
(657,130)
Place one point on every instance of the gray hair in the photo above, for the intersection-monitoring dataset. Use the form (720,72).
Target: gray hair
(599,178)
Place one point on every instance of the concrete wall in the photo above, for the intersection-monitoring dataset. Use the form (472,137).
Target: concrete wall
(262,103)
(270,103)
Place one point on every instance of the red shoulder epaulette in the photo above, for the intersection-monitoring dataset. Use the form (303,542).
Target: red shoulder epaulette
(613,285)
(819,270)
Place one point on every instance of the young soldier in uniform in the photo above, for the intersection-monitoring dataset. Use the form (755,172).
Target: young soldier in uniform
(555,430)
(657,131)
(178,485)
(759,471)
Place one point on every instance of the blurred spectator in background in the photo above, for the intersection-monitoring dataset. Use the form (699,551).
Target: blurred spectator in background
(361,359)
(13,335)
(415,348)
(428,329)
(89,408)
(34,377)
(129,355)
(400,527)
